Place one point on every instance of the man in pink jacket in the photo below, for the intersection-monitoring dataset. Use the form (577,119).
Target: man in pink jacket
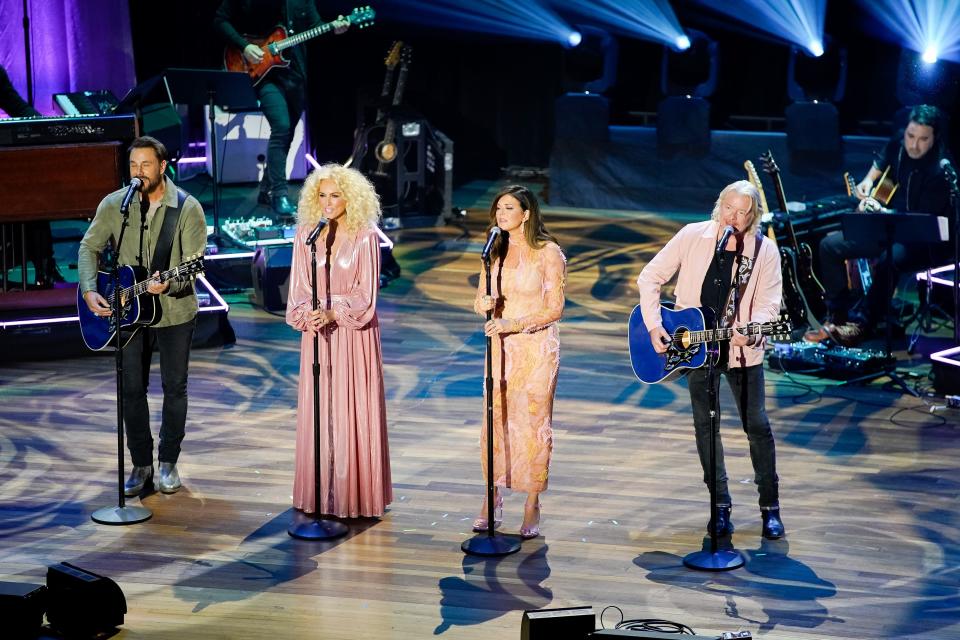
(704,277)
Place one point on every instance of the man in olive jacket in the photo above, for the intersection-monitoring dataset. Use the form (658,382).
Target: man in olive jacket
(173,333)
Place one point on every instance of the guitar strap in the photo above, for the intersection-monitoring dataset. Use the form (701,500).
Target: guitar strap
(161,253)
(740,279)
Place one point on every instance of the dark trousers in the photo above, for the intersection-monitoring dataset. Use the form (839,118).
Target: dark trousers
(747,386)
(282,101)
(843,304)
(174,346)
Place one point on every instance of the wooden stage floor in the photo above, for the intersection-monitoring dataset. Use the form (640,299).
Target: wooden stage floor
(869,482)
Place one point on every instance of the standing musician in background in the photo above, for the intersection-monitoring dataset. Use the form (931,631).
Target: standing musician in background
(282,91)
(39,239)
(147,235)
(911,159)
(706,274)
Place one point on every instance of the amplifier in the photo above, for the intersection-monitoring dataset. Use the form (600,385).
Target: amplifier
(817,359)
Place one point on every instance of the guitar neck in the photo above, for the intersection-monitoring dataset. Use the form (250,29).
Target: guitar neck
(725,333)
(300,38)
(141,287)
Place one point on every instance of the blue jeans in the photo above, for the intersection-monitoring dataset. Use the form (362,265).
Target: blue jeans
(174,346)
(747,386)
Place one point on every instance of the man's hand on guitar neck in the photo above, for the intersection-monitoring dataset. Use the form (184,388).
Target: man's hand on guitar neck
(340,25)
(156,287)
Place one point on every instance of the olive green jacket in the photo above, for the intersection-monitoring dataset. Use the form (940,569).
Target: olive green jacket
(179,302)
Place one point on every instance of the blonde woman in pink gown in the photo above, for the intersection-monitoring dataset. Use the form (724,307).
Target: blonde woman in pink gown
(354,459)
(528,270)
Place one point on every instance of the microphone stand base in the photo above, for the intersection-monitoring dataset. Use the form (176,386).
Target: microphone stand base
(318,529)
(720,560)
(488,545)
(127,514)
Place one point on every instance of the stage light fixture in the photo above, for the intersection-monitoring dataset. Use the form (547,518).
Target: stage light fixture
(574,38)
(815,48)
(930,54)
(683,43)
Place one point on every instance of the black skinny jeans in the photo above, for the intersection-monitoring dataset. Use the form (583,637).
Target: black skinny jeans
(174,346)
(746,383)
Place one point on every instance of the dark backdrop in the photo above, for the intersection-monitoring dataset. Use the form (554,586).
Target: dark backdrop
(493,96)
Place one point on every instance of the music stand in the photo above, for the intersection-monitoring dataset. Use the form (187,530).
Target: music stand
(209,87)
(884,229)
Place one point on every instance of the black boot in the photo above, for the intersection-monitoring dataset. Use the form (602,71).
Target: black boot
(283,205)
(724,526)
(772,524)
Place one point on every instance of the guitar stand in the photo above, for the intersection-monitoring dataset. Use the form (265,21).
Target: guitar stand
(122,513)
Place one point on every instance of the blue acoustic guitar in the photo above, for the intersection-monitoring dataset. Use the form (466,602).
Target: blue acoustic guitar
(140,307)
(688,349)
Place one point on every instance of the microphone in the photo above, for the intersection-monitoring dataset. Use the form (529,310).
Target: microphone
(321,223)
(494,232)
(135,185)
(727,232)
(948,169)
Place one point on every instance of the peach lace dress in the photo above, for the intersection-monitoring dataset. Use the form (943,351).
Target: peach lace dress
(354,457)
(525,367)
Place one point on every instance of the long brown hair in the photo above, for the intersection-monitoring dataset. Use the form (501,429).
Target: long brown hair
(534,230)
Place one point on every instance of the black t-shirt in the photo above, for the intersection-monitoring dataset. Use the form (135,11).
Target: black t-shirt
(921,186)
(716,285)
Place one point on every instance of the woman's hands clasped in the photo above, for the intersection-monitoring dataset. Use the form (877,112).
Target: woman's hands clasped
(320,318)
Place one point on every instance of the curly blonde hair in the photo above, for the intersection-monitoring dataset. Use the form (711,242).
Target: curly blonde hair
(363,203)
(744,188)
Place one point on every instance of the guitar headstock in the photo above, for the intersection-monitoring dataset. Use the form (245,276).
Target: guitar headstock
(192,266)
(362,17)
(393,56)
(850,184)
(769,164)
(779,329)
(754,179)
(406,55)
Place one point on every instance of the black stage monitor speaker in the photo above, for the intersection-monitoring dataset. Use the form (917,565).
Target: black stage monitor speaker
(271,276)
(22,607)
(575,623)
(82,603)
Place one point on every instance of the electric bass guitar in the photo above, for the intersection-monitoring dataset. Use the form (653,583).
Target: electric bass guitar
(690,337)
(386,150)
(138,307)
(274,44)
(792,303)
(797,256)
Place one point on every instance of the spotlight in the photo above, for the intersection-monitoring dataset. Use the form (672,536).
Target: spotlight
(930,54)
(683,43)
(815,48)
(574,38)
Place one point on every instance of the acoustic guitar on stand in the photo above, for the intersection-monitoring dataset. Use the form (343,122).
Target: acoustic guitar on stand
(275,42)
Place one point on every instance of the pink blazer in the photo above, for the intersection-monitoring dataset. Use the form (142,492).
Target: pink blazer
(690,252)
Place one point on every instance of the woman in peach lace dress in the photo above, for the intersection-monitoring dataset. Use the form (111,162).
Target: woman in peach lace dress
(528,271)
(354,458)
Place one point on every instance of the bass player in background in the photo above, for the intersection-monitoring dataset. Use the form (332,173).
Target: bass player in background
(705,272)
(911,159)
(281,92)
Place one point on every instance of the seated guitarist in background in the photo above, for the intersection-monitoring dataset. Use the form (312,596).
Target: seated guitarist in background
(161,234)
(282,91)
(911,160)
(706,275)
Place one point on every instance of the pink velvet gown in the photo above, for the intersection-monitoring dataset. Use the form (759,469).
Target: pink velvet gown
(354,458)
(525,367)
